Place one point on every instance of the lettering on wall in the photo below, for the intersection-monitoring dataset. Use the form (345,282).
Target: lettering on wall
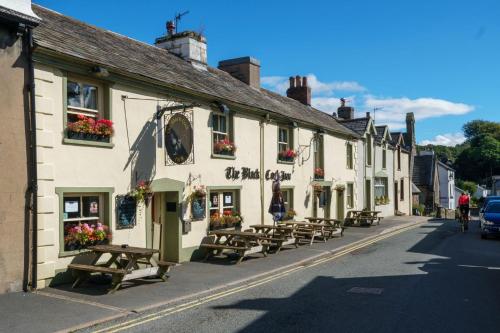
(246,173)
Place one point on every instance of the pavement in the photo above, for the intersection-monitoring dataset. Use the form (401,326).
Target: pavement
(64,309)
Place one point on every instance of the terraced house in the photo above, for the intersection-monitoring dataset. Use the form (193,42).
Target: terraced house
(152,145)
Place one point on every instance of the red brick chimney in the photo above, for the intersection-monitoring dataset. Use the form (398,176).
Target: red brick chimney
(299,90)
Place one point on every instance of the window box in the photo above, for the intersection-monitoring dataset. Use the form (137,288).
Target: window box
(319,174)
(87,136)
(287,155)
(223,210)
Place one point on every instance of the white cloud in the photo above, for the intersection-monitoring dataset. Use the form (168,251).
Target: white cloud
(280,84)
(395,109)
(330,104)
(448,139)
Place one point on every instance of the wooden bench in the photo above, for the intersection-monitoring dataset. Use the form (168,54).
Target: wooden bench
(164,268)
(217,249)
(83,272)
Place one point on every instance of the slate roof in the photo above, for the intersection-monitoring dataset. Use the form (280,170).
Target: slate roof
(357,125)
(395,137)
(423,170)
(124,55)
(446,166)
(380,133)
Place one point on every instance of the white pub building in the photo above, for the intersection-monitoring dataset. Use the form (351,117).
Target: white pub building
(149,144)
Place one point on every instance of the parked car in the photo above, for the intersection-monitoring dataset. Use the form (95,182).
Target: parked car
(490,220)
(485,203)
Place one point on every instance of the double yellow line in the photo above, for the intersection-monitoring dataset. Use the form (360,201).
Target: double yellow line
(186,306)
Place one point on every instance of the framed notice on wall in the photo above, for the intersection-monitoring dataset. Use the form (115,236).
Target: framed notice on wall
(126,207)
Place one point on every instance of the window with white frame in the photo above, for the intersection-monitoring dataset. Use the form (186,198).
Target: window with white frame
(350,195)
(83,220)
(381,190)
(224,209)
(287,198)
(285,152)
(349,156)
(83,98)
(221,135)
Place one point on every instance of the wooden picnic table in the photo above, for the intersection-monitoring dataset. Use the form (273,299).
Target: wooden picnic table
(127,261)
(278,235)
(363,217)
(331,225)
(241,242)
(308,229)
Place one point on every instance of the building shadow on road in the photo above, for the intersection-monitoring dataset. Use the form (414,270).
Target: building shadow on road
(455,290)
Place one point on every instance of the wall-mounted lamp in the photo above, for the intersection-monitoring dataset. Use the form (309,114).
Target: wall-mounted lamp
(99,71)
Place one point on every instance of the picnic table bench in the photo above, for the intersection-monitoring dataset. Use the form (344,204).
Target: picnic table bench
(277,235)
(362,217)
(242,243)
(307,230)
(126,260)
(331,225)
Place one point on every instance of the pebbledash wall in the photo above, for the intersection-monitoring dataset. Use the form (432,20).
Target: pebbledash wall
(66,166)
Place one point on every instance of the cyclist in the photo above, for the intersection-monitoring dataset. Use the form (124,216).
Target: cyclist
(463,203)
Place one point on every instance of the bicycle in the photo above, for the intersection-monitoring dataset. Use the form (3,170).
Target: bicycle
(463,220)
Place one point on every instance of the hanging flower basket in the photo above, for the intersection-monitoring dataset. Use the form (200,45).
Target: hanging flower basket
(340,188)
(143,192)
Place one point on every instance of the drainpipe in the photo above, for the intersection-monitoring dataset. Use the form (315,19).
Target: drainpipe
(31,145)
(261,172)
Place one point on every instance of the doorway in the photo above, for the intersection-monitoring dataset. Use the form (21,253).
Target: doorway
(340,205)
(166,225)
(368,194)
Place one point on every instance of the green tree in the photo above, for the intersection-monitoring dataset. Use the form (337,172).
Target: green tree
(467,186)
(477,128)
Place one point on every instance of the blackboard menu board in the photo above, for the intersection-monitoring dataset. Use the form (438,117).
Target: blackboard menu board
(125,211)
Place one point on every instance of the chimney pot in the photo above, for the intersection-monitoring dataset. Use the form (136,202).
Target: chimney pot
(299,90)
(188,45)
(345,112)
(297,81)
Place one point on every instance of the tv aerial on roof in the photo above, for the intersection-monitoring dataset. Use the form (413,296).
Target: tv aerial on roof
(178,17)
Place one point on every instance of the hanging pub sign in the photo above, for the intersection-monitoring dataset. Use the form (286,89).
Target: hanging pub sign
(125,212)
(179,138)
(247,173)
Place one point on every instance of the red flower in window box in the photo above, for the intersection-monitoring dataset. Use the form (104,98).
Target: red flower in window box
(224,146)
(287,155)
(87,128)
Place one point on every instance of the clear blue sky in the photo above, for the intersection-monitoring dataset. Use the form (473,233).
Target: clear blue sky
(439,59)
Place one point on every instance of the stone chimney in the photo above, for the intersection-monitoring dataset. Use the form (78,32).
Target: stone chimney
(345,112)
(410,128)
(299,90)
(246,69)
(189,45)
(18,11)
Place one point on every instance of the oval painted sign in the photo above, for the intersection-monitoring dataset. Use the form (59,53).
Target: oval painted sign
(179,138)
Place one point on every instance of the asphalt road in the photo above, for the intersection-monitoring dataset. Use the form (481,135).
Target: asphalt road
(429,279)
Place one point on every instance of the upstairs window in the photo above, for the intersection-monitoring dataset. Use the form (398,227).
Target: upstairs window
(221,135)
(85,112)
(349,156)
(319,172)
(368,149)
(285,145)
(399,158)
(384,158)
